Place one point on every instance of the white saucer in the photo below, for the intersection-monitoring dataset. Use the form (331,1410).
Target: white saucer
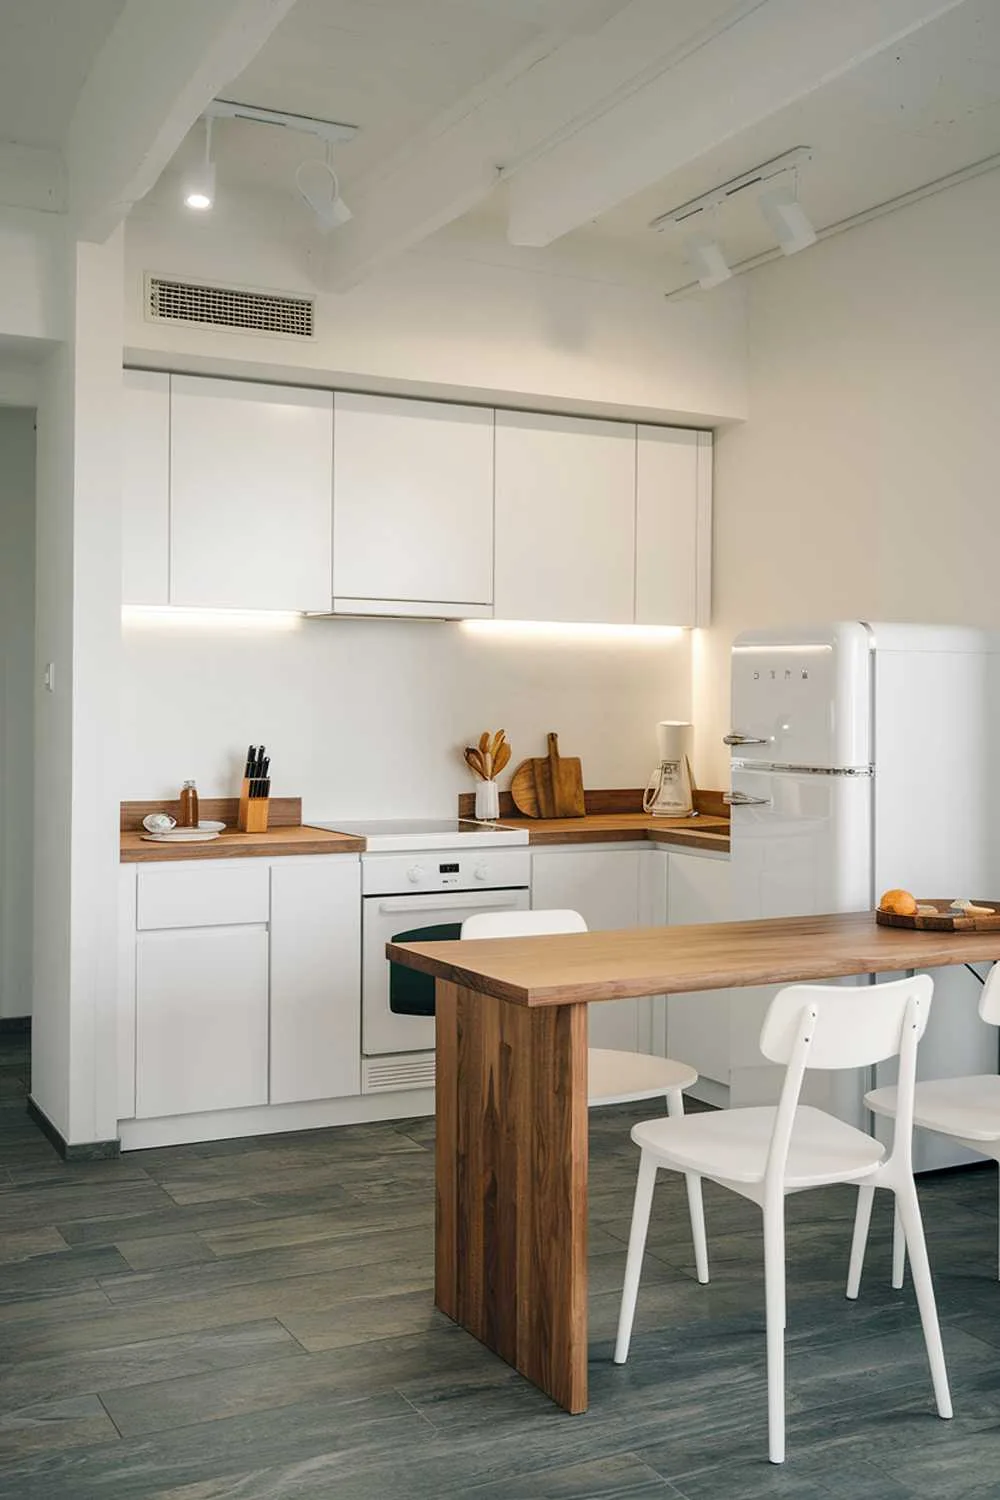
(200,835)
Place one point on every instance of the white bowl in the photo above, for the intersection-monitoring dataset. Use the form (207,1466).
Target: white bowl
(158,822)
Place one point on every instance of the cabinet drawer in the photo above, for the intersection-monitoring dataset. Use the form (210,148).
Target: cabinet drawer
(195,895)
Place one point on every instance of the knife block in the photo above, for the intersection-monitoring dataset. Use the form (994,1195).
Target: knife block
(253,813)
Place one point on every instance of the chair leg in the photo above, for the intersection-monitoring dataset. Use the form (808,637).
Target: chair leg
(636,1248)
(898,1249)
(774,1285)
(909,1212)
(859,1243)
(696,1208)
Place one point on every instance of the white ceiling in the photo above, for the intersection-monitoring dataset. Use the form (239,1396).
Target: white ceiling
(920,111)
(47,48)
(396,69)
(405,70)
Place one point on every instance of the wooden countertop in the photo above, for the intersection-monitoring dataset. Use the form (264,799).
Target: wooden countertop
(609,828)
(300,839)
(672,960)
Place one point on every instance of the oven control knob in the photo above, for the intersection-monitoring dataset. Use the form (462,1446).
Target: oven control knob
(481,871)
(415,874)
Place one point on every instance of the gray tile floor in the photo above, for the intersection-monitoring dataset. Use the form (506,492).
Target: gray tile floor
(252,1320)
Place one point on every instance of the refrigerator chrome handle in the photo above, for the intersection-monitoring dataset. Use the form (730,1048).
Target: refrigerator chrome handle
(740,799)
(742,739)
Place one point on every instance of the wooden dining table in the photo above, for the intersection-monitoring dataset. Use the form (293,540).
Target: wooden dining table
(511,1104)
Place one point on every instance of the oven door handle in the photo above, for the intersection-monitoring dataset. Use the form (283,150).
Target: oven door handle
(441,901)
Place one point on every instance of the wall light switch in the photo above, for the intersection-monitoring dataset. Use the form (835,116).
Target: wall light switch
(49,676)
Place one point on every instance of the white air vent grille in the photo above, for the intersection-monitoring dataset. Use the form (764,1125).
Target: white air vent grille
(273,313)
(384,1075)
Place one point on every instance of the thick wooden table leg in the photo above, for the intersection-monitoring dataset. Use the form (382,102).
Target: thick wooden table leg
(511,1208)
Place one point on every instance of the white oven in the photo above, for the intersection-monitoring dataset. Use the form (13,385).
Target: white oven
(419,898)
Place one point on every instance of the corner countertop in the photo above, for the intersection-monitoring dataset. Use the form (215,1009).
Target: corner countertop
(703,832)
(297,839)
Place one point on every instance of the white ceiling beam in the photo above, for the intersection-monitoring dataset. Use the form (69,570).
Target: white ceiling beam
(519,111)
(775,54)
(160,66)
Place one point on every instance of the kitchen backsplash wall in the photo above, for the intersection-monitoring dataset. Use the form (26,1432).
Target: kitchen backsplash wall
(366,718)
(864,484)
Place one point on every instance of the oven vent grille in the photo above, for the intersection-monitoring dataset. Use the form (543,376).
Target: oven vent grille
(384,1075)
(273,313)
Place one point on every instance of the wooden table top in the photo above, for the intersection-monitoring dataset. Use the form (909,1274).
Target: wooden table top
(232,844)
(673,960)
(704,832)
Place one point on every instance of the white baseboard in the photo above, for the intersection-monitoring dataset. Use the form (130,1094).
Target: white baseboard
(272,1119)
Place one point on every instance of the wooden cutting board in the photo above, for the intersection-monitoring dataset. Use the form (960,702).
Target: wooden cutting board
(944,920)
(550,786)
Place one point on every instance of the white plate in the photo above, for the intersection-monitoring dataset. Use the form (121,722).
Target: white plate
(209,827)
(182,836)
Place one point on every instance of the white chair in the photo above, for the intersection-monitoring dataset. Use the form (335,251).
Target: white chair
(612,1077)
(967,1109)
(765,1153)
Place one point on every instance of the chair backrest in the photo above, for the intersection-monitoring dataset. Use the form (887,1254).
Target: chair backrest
(989,1000)
(856,1025)
(499,924)
(831,1026)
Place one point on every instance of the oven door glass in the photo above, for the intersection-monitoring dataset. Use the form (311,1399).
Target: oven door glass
(410,992)
(397,1004)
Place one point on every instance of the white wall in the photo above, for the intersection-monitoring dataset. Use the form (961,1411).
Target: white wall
(864,484)
(78,541)
(33,303)
(367,718)
(17,676)
(516,327)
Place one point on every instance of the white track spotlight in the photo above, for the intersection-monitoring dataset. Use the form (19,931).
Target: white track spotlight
(317,183)
(199,184)
(706,259)
(788,219)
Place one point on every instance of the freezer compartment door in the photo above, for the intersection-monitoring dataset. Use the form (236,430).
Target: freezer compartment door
(800,844)
(802,698)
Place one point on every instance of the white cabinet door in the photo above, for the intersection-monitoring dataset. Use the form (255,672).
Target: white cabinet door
(201,1020)
(145,487)
(673,526)
(565,519)
(412,505)
(604,887)
(315,978)
(251,484)
(698,1025)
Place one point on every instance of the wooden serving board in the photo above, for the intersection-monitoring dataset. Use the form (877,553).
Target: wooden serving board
(944,920)
(550,786)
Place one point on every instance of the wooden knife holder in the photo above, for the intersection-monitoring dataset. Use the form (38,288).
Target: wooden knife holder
(253,814)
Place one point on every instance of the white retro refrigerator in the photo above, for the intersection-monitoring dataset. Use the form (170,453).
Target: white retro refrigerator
(866,757)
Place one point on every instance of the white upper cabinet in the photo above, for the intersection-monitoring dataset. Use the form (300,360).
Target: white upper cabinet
(673,526)
(412,507)
(146,487)
(250,495)
(565,519)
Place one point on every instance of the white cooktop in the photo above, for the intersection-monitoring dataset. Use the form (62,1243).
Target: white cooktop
(425,833)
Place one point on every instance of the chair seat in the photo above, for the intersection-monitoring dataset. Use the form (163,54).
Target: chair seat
(964,1107)
(732,1145)
(619,1077)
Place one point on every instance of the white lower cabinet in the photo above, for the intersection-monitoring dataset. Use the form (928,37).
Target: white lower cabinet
(239,984)
(315,1048)
(200,1020)
(698,1025)
(606,886)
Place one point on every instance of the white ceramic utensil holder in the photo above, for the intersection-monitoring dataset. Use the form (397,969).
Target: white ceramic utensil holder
(487,801)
